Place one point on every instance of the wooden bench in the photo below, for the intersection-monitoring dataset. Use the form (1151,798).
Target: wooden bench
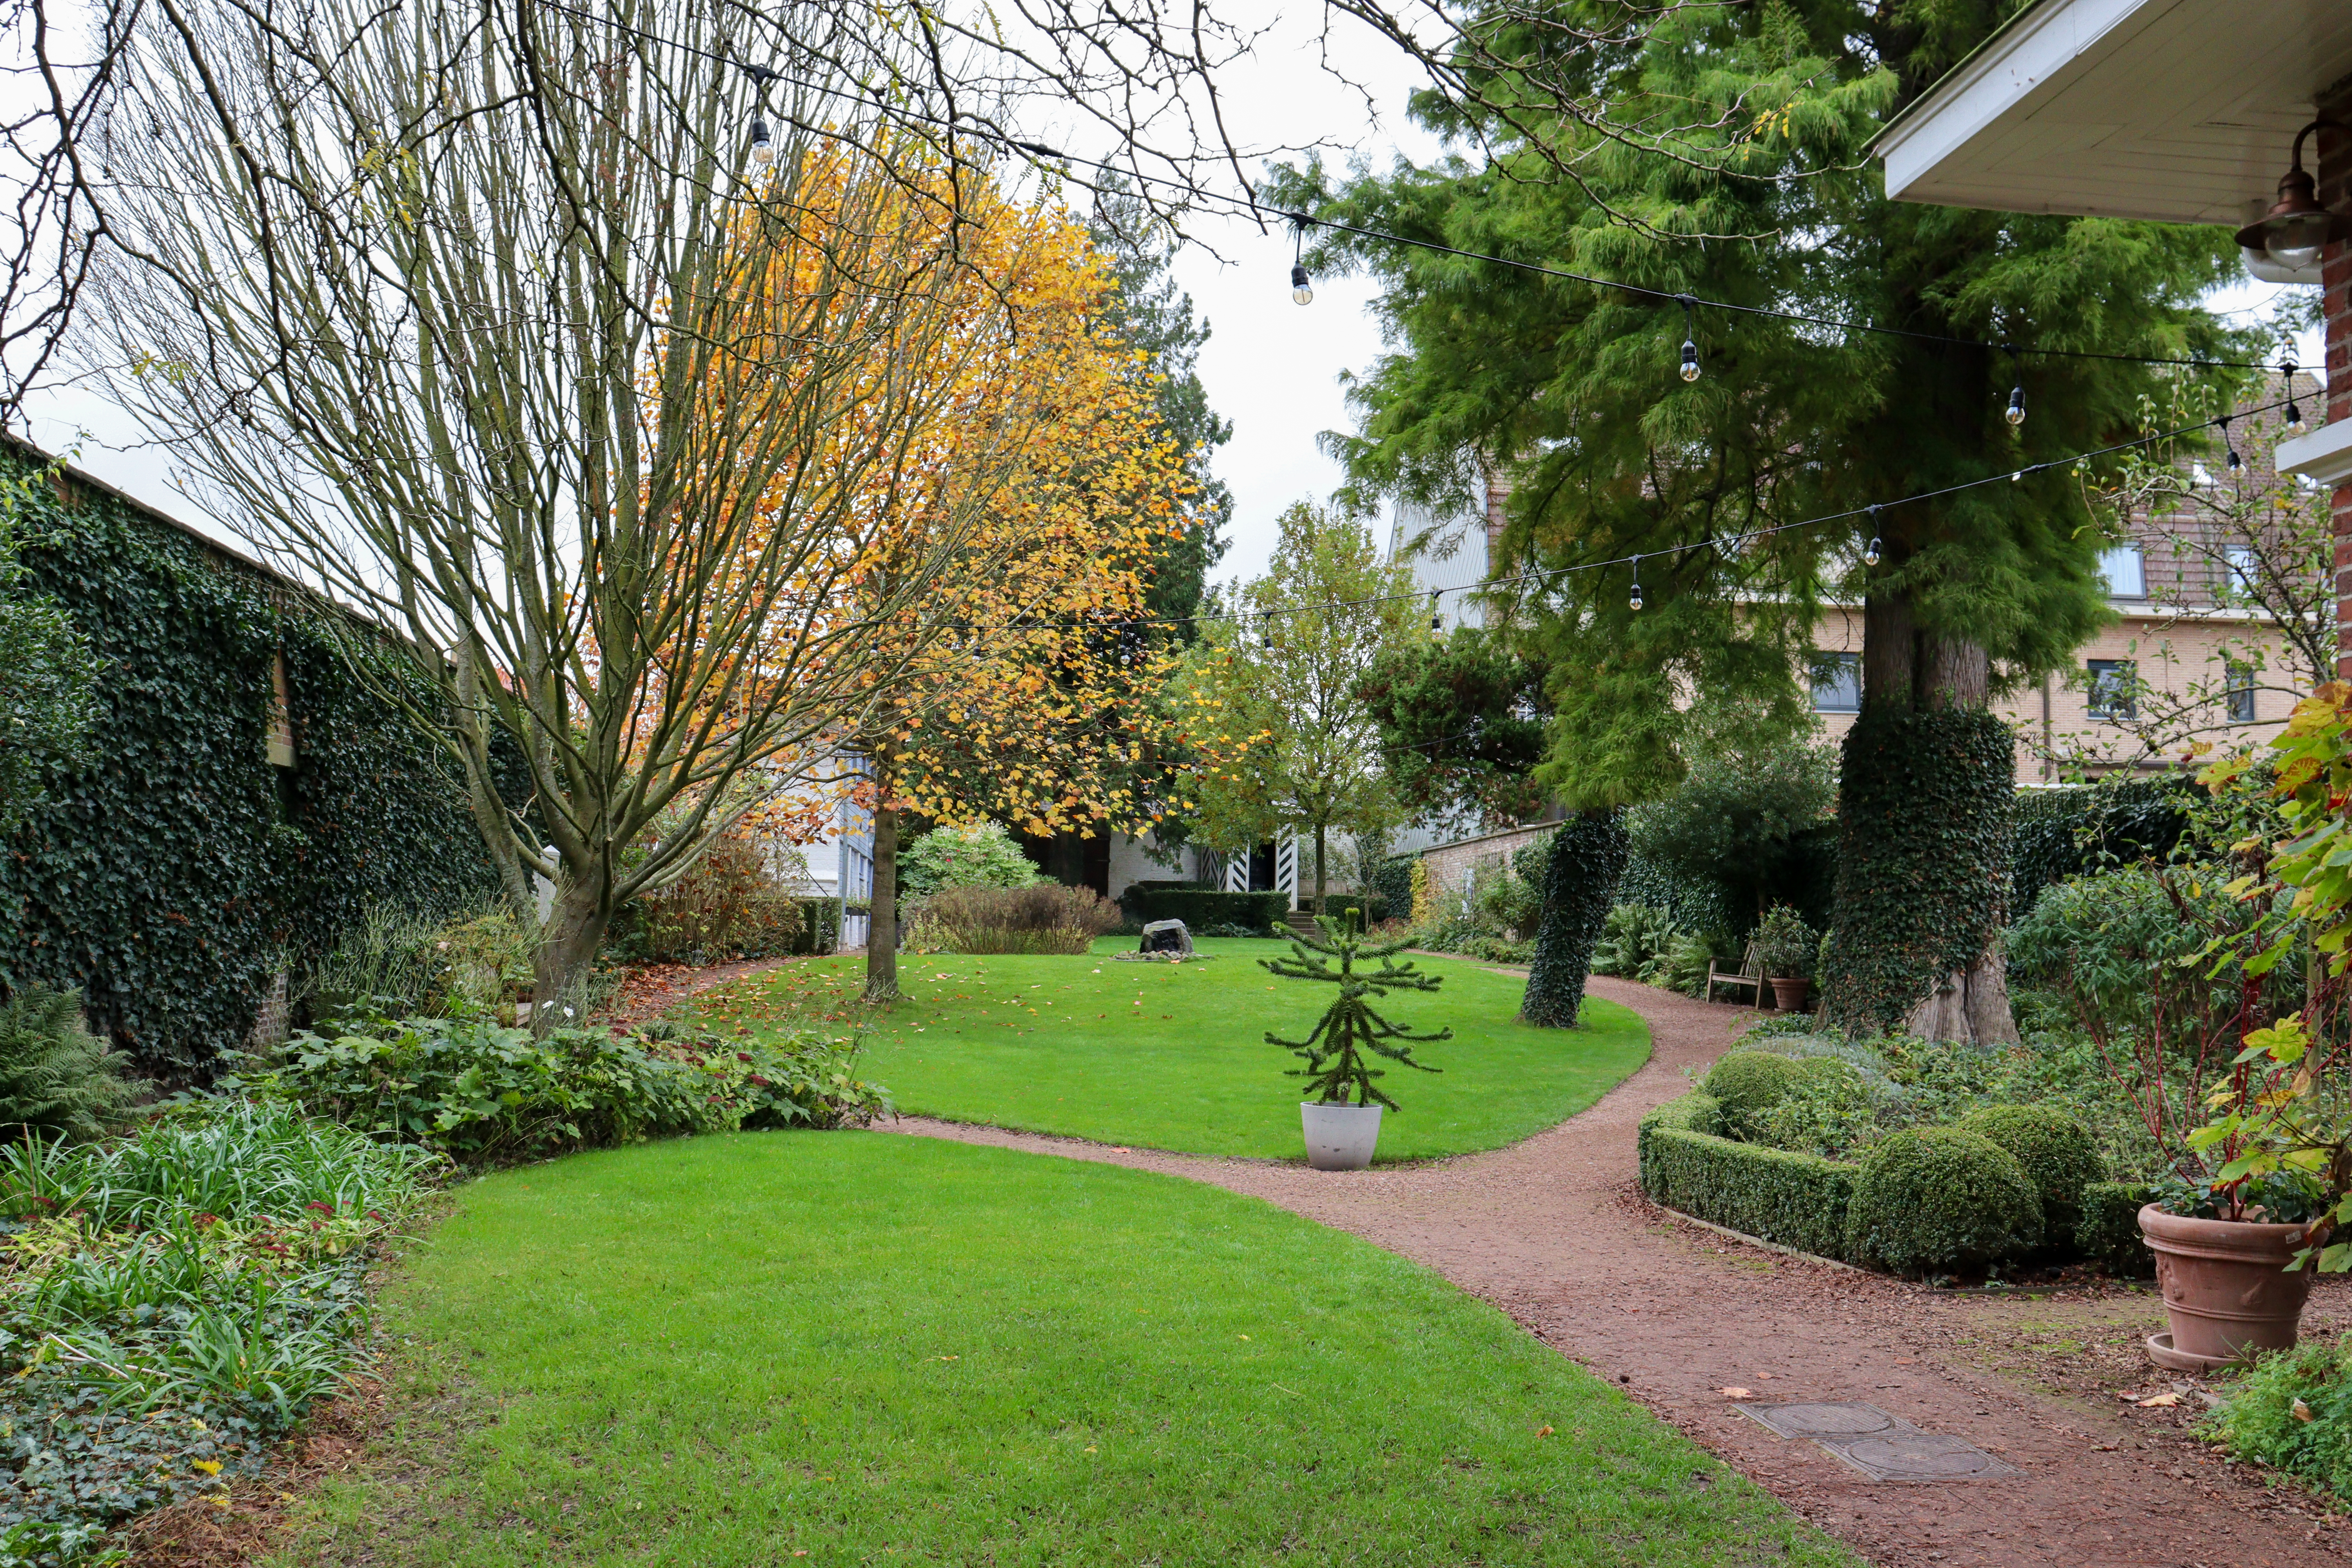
(1750,973)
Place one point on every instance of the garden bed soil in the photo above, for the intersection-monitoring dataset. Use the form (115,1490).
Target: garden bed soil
(1555,1231)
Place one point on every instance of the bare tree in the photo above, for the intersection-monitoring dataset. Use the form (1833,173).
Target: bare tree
(508,327)
(2238,561)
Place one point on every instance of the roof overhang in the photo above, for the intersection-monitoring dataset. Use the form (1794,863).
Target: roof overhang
(2176,110)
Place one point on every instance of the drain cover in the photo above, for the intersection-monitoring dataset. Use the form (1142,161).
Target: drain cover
(1832,1421)
(1884,1448)
(1918,1457)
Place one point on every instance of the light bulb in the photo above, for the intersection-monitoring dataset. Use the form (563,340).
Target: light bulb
(2016,476)
(1690,370)
(762,150)
(2296,241)
(2016,415)
(1301,292)
(2294,424)
(1437,621)
(2233,462)
(1636,600)
(1870,552)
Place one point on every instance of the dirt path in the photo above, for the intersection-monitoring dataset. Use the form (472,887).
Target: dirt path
(1552,1231)
(652,990)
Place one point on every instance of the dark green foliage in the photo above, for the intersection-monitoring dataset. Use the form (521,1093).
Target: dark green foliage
(1931,1200)
(483,1093)
(2260,1420)
(1584,859)
(1793,1200)
(1745,1084)
(1748,821)
(1462,726)
(2057,1154)
(1923,861)
(46,673)
(2063,833)
(1334,1051)
(1199,908)
(2108,1231)
(173,875)
(1368,908)
(1787,946)
(1392,883)
(1697,906)
(55,1075)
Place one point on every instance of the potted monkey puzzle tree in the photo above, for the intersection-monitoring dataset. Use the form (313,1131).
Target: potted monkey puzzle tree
(1341,1136)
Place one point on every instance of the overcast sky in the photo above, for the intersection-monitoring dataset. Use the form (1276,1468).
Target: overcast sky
(1272,367)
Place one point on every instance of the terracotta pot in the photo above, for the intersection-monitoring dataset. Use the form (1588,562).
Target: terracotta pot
(1791,993)
(2226,1285)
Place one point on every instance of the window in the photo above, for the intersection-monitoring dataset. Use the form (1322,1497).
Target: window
(2126,575)
(1837,683)
(2244,572)
(2115,687)
(2239,693)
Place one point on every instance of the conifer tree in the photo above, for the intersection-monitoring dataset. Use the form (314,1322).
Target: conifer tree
(1334,1052)
(1572,393)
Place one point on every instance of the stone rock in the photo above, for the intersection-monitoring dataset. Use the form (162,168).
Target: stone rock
(1167,936)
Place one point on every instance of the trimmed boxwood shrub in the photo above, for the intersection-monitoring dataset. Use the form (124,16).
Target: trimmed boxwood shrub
(2108,1231)
(1933,1199)
(1793,1200)
(1202,907)
(2059,1156)
(1747,1083)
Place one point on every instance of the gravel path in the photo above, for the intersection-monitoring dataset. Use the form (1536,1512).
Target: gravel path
(1552,1231)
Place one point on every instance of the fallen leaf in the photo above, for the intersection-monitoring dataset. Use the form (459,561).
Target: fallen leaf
(1243,1336)
(2163,1400)
(2300,1410)
(1543,1432)
(1737,1394)
(209,1467)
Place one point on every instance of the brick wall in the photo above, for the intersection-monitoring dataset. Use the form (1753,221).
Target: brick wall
(2334,186)
(1450,865)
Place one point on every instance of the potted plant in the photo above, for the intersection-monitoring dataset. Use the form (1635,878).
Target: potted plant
(2264,1185)
(1342,1136)
(1786,946)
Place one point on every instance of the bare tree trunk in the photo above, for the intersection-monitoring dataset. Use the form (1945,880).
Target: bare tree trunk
(882,924)
(567,946)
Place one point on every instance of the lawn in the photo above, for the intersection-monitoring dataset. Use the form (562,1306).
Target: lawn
(733,1351)
(1167,1055)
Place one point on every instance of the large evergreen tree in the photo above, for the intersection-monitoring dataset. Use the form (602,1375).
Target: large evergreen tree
(1765,197)
(1155,317)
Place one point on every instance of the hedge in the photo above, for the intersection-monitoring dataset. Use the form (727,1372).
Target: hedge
(2108,1231)
(2062,833)
(1200,908)
(1793,1200)
(173,872)
(1372,905)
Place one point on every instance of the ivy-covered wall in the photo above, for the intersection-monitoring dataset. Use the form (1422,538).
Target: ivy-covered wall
(175,871)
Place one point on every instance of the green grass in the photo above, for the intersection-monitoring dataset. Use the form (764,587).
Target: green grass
(730,1350)
(1166,1056)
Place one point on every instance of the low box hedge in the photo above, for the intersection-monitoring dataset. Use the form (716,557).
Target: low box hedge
(1200,908)
(1372,905)
(2108,1231)
(1792,1200)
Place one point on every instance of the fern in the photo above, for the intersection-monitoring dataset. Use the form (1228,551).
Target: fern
(55,1075)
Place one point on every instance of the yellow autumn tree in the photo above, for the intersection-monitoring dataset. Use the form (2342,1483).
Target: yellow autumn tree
(1007,550)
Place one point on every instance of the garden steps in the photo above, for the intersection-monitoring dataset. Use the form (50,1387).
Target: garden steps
(1554,1231)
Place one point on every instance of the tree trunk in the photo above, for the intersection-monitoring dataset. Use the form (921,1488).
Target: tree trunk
(1917,944)
(1588,856)
(882,925)
(1319,831)
(567,946)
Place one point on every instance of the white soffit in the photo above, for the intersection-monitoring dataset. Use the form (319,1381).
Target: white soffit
(2178,111)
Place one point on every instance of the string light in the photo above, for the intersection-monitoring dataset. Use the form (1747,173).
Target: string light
(1870,551)
(2016,415)
(1302,292)
(2232,460)
(1437,621)
(2294,424)
(762,150)
(1690,341)
(1636,600)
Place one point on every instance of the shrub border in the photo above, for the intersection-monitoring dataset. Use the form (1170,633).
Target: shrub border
(1796,1201)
